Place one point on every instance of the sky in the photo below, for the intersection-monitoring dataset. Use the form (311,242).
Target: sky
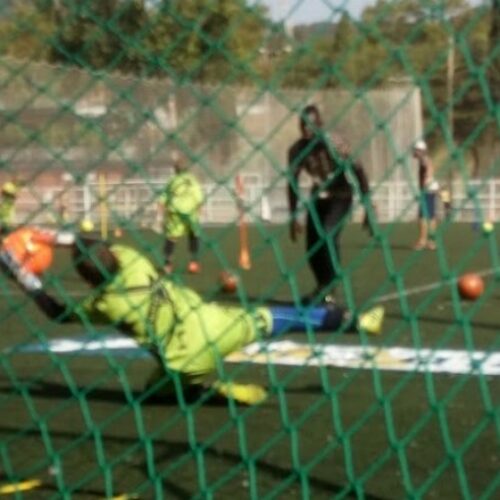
(308,11)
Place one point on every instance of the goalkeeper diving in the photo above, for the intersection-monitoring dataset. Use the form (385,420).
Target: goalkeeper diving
(188,336)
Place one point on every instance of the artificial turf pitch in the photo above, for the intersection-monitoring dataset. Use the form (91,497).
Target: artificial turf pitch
(82,426)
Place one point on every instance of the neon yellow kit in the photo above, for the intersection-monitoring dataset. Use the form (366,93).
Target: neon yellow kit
(190,335)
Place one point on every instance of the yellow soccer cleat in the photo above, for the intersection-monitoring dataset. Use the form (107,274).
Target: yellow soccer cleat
(247,394)
(371,321)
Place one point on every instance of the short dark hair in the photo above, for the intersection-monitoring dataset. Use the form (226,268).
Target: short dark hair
(305,114)
(94,261)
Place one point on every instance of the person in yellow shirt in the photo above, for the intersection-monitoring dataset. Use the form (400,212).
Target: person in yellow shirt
(8,198)
(181,203)
(189,336)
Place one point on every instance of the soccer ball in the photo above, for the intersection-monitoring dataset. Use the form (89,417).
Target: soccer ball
(470,286)
(229,282)
(32,255)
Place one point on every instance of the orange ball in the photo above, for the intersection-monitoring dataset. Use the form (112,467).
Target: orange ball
(228,281)
(470,286)
(32,254)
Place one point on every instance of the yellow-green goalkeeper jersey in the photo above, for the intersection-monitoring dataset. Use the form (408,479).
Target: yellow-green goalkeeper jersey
(6,211)
(139,301)
(183,194)
(190,335)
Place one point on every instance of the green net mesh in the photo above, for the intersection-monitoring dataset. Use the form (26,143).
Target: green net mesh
(97,98)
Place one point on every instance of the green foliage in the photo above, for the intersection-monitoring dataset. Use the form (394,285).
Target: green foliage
(204,40)
(24,30)
(99,34)
(233,41)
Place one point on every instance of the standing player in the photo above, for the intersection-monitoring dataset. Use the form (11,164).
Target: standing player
(327,160)
(181,203)
(188,336)
(7,207)
(428,192)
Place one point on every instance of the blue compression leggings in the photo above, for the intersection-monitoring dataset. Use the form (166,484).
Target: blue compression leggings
(290,319)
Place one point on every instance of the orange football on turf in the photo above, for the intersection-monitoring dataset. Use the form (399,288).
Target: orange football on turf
(470,286)
(228,281)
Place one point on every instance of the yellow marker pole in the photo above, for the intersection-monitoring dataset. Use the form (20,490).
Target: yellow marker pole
(103,206)
(244,259)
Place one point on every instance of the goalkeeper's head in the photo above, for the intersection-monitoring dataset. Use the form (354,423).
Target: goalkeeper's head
(94,261)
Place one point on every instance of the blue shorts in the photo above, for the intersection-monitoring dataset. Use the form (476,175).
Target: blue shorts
(427,206)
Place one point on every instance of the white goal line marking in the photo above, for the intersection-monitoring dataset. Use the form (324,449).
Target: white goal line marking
(292,353)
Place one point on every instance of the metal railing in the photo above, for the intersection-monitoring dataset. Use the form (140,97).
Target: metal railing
(136,201)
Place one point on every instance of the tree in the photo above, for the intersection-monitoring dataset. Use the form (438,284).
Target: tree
(441,45)
(24,31)
(494,47)
(207,41)
(100,34)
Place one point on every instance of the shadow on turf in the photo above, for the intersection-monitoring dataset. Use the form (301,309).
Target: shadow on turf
(394,246)
(176,451)
(445,321)
(54,390)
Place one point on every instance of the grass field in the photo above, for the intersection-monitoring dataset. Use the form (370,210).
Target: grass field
(81,426)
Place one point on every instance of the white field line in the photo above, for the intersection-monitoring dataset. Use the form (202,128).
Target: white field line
(20,293)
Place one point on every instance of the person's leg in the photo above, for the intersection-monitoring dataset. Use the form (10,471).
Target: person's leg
(447,210)
(315,243)
(422,223)
(174,230)
(169,248)
(330,318)
(194,249)
(431,222)
(336,215)
(320,253)
(287,319)
(200,342)
(422,234)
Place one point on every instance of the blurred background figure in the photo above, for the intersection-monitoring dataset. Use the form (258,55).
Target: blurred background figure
(8,196)
(429,188)
(181,203)
(446,201)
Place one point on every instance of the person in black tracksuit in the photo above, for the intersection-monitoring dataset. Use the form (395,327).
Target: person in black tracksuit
(326,159)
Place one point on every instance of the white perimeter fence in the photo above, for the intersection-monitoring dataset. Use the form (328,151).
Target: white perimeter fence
(136,201)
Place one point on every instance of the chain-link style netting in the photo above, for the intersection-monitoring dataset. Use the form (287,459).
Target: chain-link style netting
(142,388)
